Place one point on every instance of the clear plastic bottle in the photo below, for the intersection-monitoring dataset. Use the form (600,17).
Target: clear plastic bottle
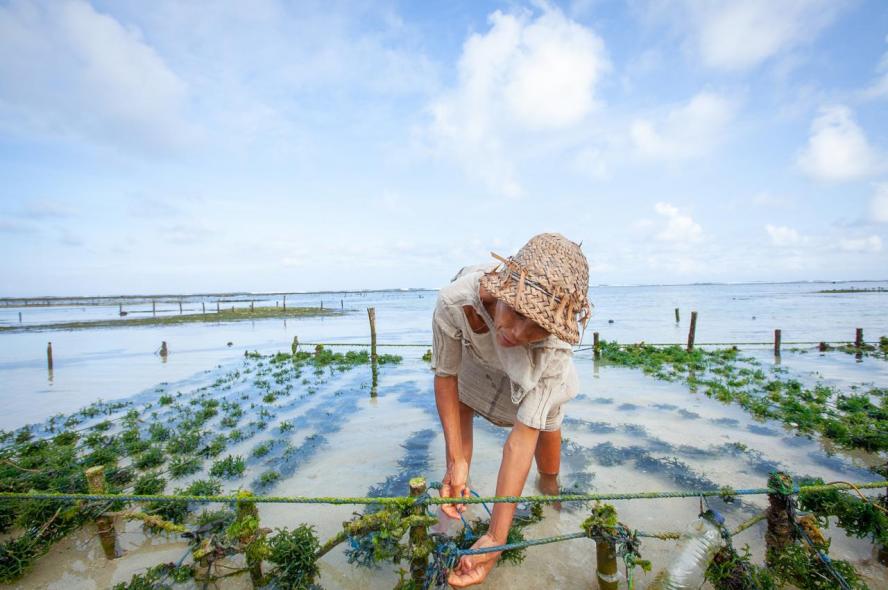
(697,546)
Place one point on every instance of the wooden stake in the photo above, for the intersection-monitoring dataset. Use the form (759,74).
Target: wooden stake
(203,307)
(251,307)
(164,351)
(285,302)
(596,347)
(779,534)
(95,479)
(49,355)
(858,338)
(20,317)
(692,331)
(418,535)
(341,305)
(371,315)
(295,346)
(153,307)
(777,342)
(677,318)
(374,367)
(180,308)
(247,510)
(607,571)
(217,306)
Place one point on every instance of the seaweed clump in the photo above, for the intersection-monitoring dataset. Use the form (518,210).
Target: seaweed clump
(857,420)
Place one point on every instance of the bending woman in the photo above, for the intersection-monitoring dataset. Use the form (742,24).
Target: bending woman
(502,350)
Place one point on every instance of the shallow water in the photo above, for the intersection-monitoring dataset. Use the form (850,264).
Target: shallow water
(625,432)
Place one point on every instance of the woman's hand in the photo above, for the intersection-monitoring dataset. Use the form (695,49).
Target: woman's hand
(454,485)
(473,569)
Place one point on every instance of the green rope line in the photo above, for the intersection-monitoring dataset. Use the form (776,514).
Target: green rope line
(584,347)
(748,523)
(409,501)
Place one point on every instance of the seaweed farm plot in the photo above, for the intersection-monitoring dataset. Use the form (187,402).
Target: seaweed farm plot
(253,425)
(290,471)
(853,418)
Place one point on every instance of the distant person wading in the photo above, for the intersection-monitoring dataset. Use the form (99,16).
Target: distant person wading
(502,350)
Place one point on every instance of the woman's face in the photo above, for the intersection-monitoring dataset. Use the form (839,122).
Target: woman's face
(513,329)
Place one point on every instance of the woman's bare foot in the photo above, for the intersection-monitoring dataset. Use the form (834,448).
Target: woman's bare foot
(548,484)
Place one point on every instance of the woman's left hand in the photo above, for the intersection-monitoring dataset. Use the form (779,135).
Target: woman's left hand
(473,569)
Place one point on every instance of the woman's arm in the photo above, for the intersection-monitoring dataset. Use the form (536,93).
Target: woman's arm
(447,401)
(517,457)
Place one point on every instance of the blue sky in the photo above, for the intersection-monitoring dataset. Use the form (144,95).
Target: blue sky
(268,145)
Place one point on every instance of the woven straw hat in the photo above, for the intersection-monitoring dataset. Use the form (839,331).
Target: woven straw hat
(547,281)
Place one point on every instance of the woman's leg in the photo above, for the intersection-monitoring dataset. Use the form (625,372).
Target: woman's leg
(548,452)
(548,460)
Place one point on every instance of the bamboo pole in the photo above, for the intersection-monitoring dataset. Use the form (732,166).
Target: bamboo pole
(95,479)
(692,331)
(419,536)
(606,565)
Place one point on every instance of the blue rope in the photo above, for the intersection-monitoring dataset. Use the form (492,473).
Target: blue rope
(522,544)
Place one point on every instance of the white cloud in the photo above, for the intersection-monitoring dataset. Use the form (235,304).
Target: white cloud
(837,147)
(782,235)
(526,75)
(879,87)
(679,229)
(732,35)
(866,244)
(688,131)
(66,69)
(879,204)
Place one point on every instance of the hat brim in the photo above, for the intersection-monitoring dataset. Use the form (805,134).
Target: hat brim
(502,286)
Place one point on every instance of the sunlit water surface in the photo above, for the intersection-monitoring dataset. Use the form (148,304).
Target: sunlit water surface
(625,432)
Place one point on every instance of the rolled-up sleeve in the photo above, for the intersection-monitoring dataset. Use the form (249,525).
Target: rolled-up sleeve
(446,342)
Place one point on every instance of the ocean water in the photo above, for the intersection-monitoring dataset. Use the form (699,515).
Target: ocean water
(625,432)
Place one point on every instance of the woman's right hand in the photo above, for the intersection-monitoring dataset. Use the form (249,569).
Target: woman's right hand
(454,485)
